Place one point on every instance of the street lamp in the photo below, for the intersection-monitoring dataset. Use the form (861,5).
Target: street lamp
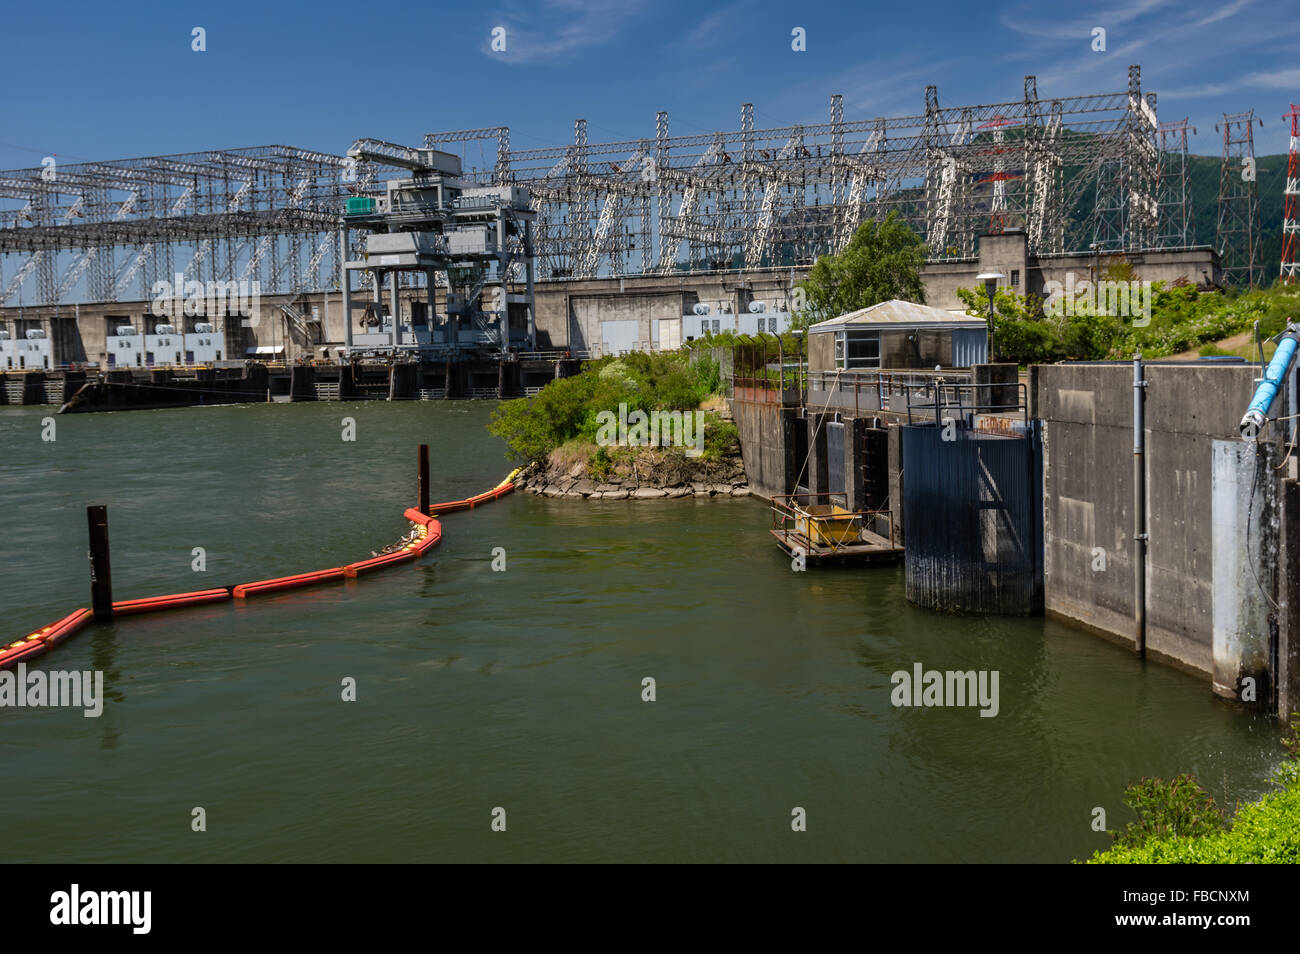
(990,280)
(801,372)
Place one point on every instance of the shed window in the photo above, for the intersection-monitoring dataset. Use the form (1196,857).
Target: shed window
(857,349)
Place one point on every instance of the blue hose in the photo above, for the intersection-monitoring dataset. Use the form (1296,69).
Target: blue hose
(1257,414)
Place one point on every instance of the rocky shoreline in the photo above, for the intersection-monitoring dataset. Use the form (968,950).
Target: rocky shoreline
(725,478)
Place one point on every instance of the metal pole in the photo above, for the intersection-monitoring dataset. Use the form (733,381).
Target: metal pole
(780,373)
(345,278)
(1139,508)
(424,478)
(101,571)
(992,352)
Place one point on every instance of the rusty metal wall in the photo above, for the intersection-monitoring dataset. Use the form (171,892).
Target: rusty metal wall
(973,510)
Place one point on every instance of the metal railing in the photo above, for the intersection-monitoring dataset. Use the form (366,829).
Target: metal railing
(874,390)
(965,399)
(767,390)
(555,355)
(796,516)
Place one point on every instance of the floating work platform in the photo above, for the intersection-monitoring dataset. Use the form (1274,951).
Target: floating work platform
(828,533)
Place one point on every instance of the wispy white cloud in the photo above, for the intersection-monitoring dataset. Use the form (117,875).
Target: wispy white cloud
(1111,69)
(1223,12)
(1275,79)
(1080,29)
(554,29)
(715,26)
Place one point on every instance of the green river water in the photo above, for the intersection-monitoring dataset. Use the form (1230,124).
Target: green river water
(522,689)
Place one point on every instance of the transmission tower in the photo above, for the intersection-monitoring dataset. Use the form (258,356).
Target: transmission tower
(1177,216)
(1291,217)
(1237,232)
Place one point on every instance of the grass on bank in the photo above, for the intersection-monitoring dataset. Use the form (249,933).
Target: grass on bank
(1179,822)
(564,416)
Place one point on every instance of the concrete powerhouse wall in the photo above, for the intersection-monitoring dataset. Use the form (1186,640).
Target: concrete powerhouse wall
(569,311)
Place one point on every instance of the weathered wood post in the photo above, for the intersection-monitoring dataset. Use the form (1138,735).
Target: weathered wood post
(424,479)
(101,572)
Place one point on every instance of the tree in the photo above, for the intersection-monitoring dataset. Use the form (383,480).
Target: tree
(881,262)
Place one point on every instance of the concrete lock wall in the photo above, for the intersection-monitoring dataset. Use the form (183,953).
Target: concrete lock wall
(1088,529)
(767,445)
(1288,649)
(1245,547)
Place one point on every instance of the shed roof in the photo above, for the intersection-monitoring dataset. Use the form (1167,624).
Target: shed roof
(899,314)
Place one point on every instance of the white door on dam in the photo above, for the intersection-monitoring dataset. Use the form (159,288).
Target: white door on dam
(619,336)
(670,334)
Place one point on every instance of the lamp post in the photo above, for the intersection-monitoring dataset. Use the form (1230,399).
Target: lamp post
(801,372)
(990,280)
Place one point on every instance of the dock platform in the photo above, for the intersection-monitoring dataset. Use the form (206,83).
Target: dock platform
(826,532)
(872,548)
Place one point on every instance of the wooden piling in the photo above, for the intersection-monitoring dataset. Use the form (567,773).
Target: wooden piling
(101,572)
(424,479)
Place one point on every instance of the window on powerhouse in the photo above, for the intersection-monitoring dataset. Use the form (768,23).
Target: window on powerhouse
(857,349)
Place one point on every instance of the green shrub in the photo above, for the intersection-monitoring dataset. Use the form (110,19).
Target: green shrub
(1178,808)
(570,408)
(721,437)
(600,465)
(1182,319)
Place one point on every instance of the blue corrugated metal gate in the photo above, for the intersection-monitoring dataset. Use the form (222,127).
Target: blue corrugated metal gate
(972,515)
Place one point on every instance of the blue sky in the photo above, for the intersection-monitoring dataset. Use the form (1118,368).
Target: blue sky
(101,81)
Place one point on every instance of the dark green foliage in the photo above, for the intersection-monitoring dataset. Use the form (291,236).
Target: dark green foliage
(881,262)
(601,464)
(1179,807)
(1179,823)
(568,409)
(721,438)
(1182,319)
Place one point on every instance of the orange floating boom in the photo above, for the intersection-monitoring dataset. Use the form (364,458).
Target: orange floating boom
(71,624)
(46,638)
(153,604)
(378,563)
(429,535)
(259,587)
(27,649)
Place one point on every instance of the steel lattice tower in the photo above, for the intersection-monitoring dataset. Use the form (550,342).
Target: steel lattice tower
(1291,215)
(1237,232)
(1069,170)
(1177,216)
